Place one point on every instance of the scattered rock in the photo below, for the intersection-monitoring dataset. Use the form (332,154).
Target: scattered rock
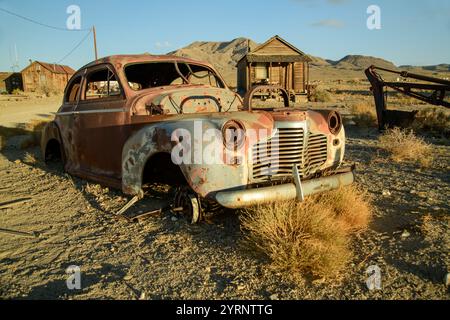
(274,296)
(405,234)
(174,219)
(128,277)
(447,280)
(386,193)
(142,296)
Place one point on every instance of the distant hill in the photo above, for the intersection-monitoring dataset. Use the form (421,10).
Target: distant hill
(318,62)
(224,56)
(362,62)
(444,67)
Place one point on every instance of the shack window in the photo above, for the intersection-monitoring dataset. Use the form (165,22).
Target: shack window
(102,84)
(73,90)
(261,71)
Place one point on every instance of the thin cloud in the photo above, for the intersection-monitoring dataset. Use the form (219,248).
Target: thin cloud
(330,23)
(165,44)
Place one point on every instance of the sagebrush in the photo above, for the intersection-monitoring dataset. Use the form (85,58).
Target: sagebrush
(310,237)
(404,145)
(364,114)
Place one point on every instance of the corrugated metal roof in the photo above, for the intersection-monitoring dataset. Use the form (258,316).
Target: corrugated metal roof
(55,68)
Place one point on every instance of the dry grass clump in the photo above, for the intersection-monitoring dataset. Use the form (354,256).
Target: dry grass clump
(403,145)
(351,206)
(319,95)
(364,115)
(433,120)
(310,237)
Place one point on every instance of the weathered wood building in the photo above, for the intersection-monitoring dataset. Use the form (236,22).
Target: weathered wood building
(13,81)
(39,76)
(275,62)
(3,76)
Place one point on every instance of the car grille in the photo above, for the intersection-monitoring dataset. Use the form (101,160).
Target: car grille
(274,158)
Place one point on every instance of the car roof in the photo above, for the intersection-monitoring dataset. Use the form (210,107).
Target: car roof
(124,59)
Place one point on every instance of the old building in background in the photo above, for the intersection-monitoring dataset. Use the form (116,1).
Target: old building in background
(3,76)
(275,62)
(45,77)
(12,81)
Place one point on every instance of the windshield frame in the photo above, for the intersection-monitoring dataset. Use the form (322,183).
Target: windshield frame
(176,64)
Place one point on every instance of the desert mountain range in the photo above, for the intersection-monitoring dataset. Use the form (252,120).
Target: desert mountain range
(224,56)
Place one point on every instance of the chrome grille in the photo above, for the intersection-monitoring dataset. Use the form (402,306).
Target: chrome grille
(273,159)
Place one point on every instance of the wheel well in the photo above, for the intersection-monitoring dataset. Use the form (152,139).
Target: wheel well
(53,150)
(160,169)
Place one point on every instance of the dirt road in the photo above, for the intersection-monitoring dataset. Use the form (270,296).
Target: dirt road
(16,111)
(164,257)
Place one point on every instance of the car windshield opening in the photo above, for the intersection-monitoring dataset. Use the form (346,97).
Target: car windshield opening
(157,74)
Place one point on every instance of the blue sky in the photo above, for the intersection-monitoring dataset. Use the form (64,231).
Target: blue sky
(412,32)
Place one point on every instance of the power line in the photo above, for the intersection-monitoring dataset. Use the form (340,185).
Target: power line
(76,46)
(40,23)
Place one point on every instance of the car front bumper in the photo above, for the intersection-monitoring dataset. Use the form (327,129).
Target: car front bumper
(298,190)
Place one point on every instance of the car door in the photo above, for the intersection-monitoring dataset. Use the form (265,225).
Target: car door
(98,121)
(65,120)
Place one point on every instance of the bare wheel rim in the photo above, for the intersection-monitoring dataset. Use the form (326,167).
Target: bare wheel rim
(190,204)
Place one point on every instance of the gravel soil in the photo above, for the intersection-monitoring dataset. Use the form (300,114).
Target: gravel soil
(164,257)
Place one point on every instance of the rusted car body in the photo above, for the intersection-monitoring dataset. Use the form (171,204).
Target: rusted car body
(119,117)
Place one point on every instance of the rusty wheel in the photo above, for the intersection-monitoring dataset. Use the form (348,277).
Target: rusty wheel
(188,200)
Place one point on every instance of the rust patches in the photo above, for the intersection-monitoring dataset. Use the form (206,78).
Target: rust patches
(111,141)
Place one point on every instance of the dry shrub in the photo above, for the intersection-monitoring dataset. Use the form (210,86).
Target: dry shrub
(17,91)
(351,205)
(319,95)
(29,159)
(310,237)
(403,145)
(432,119)
(364,115)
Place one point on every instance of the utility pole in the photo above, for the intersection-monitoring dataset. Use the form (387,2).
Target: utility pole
(95,42)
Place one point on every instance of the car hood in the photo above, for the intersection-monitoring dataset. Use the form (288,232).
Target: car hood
(185,99)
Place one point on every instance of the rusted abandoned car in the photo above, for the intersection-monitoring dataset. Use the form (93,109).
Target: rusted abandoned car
(130,120)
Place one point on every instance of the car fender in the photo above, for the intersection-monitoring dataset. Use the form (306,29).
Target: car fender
(205,179)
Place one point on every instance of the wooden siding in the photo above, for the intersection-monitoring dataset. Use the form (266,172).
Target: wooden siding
(36,77)
(287,66)
(299,78)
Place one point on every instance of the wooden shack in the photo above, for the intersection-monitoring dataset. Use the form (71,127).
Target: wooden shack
(275,62)
(3,76)
(41,76)
(13,82)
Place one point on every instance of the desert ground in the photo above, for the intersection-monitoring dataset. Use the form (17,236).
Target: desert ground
(69,221)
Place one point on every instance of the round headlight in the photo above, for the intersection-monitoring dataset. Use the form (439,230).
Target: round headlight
(334,122)
(233,133)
